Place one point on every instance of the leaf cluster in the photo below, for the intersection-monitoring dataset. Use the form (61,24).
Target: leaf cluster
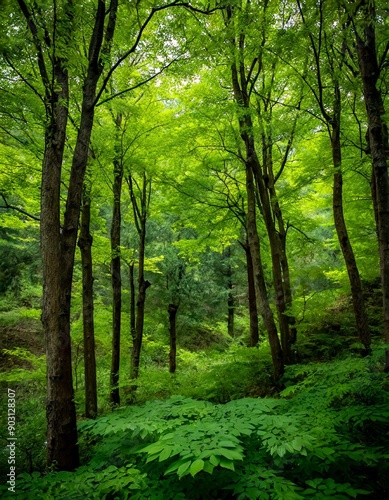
(325,438)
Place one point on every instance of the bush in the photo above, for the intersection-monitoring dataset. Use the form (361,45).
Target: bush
(326,437)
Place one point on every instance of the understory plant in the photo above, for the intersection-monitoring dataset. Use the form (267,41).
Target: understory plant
(325,437)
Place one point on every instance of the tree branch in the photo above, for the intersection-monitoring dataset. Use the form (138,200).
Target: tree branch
(136,85)
(142,28)
(17,209)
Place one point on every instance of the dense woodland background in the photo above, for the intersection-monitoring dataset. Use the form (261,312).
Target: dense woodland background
(201,191)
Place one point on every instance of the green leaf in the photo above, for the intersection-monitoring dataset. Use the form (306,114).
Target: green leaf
(230,454)
(196,467)
(208,467)
(227,464)
(227,444)
(183,470)
(176,465)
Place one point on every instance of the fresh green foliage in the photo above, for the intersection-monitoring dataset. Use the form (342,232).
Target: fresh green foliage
(112,482)
(217,376)
(219,428)
(325,438)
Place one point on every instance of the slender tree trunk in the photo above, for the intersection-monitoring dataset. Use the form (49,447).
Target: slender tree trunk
(333,120)
(253,312)
(287,283)
(241,94)
(140,306)
(283,259)
(261,291)
(116,273)
(274,245)
(172,311)
(132,302)
(230,296)
(277,239)
(344,241)
(230,306)
(140,217)
(85,243)
(379,148)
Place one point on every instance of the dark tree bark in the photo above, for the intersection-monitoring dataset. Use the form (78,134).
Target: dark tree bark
(230,296)
(379,147)
(262,183)
(333,121)
(230,306)
(140,208)
(253,312)
(243,81)
(259,280)
(345,244)
(116,270)
(132,301)
(58,243)
(172,311)
(279,238)
(62,449)
(85,243)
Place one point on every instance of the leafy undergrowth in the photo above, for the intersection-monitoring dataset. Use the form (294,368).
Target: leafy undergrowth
(326,437)
(214,376)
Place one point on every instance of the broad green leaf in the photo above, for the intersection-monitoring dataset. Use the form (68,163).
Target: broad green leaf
(196,467)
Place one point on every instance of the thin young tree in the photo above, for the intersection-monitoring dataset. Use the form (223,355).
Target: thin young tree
(85,243)
(329,59)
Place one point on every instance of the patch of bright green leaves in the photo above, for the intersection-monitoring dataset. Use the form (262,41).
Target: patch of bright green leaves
(325,438)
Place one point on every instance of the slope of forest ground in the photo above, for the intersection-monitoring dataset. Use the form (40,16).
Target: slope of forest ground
(218,428)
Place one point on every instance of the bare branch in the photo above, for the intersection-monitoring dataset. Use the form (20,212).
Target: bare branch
(142,28)
(17,209)
(143,82)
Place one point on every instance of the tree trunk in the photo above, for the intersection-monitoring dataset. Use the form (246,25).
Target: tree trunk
(62,449)
(333,121)
(379,148)
(259,280)
(344,241)
(287,285)
(58,242)
(116,274)
(140,218)
(253,312)
(277,239)
(230,296)
(172,311)
(242,98)
(140,307)
(283,260)
(275,252)
(132,302)
(58,250)
(85,243)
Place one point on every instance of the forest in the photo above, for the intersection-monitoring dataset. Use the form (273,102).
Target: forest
(194,249)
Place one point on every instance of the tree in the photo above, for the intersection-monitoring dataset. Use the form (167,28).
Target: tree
(371,66)
(329,59)
(116,261)
(246,65)
(50,44)
(85,243)
(140,193)
(52,47)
